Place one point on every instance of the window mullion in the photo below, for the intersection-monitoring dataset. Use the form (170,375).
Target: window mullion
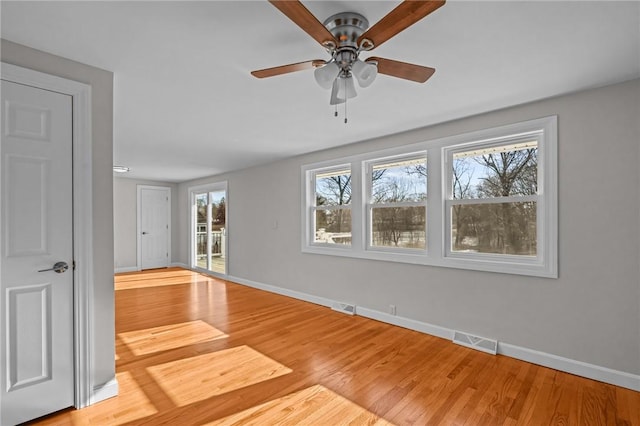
(435,209)
(357,212)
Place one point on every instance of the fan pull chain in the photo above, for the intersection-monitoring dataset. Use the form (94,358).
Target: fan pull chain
(345,100)
(345,111)
(335,114)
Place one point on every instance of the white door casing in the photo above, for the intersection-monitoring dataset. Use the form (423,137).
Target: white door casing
(37,228)
(154,230)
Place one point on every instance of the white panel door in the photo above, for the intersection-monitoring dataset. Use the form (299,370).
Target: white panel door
(153,226)
(36,320)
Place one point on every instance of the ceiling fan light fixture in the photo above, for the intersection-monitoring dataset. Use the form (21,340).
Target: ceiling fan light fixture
(326,75)
(334,94)
(365,72)
(343,89)
(346,87)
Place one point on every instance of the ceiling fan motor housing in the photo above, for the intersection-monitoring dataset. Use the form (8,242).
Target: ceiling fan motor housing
(346,27)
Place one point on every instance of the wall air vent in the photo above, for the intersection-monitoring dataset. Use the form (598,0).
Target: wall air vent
(345,308)
(480,343)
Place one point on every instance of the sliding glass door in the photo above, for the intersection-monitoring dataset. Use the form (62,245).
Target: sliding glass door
(209,228)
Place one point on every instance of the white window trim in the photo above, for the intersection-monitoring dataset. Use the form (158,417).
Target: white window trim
(438,151)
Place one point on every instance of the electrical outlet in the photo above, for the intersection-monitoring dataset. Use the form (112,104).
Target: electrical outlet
(392,309)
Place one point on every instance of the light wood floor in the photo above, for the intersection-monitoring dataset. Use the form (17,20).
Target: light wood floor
(193,350)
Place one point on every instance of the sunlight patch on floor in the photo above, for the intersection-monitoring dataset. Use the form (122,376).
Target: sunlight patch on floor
(311,406)
(172,336)
(132,404)
(157,278)
(197,378)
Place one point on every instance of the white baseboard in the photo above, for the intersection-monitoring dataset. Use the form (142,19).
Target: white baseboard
(579,368)
(126,269)
(423,327)
(104,391)
(135,268)
(283,291)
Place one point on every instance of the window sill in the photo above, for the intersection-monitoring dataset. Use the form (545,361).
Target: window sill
(527,267)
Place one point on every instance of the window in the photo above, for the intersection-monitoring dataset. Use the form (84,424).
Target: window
(485,200)
(492,204)
(332,206)
(396,210)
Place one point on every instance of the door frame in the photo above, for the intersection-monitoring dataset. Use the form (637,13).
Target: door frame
(139,223)
(82,217)
(193,190)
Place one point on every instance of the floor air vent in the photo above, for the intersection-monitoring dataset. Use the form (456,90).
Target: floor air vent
(475,342)
(345,308)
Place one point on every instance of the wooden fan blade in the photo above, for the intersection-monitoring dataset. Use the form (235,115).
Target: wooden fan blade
(404,70)
(284,69)
(403,16)
(300,15)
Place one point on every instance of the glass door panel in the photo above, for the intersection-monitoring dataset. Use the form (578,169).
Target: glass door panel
(201,230)
(217,236)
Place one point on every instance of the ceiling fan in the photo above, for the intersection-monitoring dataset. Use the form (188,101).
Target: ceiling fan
(344,36)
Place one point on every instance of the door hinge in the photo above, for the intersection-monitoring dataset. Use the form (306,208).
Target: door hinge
(73,265)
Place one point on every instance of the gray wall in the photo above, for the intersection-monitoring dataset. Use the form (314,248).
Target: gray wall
(590,314)
(101,83)
(125,200)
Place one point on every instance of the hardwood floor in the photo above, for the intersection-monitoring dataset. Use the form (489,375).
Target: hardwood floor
(193,350)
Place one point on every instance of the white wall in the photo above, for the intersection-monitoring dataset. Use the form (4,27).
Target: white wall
(591,313)
(125,200)
(101,82)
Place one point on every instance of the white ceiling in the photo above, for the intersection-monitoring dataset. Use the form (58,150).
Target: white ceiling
(185,105)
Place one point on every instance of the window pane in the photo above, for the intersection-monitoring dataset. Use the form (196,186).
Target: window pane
(399,181)
(504,171)
(333,226)
(398,227)
(333,188)
(218,210)
(505,228)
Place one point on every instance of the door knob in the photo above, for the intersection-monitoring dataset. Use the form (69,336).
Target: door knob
(58,267)
(144,233)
